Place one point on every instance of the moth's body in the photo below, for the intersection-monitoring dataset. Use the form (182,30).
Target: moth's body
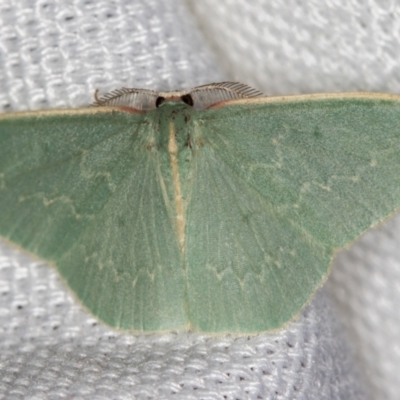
(217,219)
(177,139)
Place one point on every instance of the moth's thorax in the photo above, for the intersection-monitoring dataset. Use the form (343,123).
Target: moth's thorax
(179,115)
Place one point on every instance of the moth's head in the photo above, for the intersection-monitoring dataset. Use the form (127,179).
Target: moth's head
(174,97)
(200,98)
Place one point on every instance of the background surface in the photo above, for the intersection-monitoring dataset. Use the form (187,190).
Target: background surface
(345,344)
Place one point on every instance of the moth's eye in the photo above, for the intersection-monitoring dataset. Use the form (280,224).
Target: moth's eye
(187,99)
(159,101)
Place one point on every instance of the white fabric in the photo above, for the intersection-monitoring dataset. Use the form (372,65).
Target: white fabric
(55,54)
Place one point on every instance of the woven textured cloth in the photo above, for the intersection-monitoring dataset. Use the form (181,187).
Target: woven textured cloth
(345,343)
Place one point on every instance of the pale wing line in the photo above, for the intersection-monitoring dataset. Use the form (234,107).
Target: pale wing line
(111,269)
(68,159)
(227,146)
(207,207)
(268,265)
(300,228)
(306,234)
(18,176)
(122,181)
(340,176)
(277,281)
(119,183)
(305,98)
(150,177)
(139,216)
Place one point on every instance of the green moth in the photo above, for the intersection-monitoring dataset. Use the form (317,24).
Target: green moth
(214,210)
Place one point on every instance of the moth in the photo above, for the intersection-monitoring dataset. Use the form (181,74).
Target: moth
(214,209)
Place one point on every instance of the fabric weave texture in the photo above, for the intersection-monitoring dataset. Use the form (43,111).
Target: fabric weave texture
(55,54)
